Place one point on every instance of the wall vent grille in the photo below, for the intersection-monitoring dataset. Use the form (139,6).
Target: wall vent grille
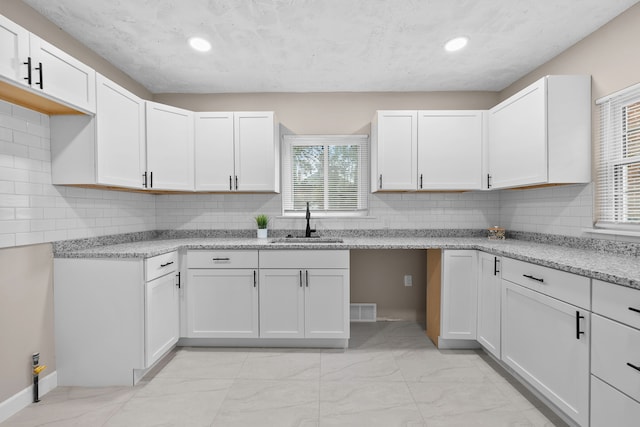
(363,312)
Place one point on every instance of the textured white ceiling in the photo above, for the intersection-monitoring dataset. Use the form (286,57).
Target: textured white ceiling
(328,45)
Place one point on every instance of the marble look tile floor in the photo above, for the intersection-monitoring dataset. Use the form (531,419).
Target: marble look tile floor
(391,375)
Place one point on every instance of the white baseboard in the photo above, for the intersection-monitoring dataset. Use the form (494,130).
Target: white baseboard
(24,398)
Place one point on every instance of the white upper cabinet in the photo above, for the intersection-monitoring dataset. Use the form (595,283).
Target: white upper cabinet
(120,140)
(28,61)
(214,151)
(105,149)
(256,144)
(394,150)
(450,150)
(14,50)
(169,148)
(61,76)
(237,151)
(542,134)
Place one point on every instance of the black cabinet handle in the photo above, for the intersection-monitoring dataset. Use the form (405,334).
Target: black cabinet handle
(495,265)
(635,310)
(151,179)
(230,183)
(28,64)
(165,264)
(254,279)
(300,278)
(488,181)
(306,273)
(236,182)
(637,368)
(380,181)
(221,259)
(179,284)
(421,181)
(144,182)
(578,331)
(533,278)
(39,68)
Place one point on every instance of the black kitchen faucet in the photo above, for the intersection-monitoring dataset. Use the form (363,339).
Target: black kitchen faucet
(308,231)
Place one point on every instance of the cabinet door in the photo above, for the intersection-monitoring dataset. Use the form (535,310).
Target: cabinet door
(61,76)
(518,139)
(450,147)
(120,148)
(459,295)
(326,303)
(609,407)
(395,147)
(222,303)
(14,51)
(169,147)
(489,295)
(255,151)
(162,317)
(281,303)
(540,342)
(214,161)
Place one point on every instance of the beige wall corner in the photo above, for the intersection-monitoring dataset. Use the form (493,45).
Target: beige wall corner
(26,315)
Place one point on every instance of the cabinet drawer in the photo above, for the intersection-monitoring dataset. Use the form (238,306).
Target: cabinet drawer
(160,265)
(304,259)
(222,259)
(613,346)
(558,284)
(617,302)
(609,407)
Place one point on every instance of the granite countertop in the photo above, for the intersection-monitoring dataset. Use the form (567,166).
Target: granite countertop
(619,269)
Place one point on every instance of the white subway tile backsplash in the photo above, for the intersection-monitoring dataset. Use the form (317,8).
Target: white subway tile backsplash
(32,210)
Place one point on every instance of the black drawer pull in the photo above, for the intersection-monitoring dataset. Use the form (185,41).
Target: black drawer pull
(578,331)
(222,259)
(533,278)
(495,265)
(165,264)
(635,310)
(637,368)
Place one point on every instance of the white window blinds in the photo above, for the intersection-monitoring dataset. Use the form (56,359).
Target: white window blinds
(330,172)
(618,172)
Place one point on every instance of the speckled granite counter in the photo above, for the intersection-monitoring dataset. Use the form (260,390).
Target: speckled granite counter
(620,269)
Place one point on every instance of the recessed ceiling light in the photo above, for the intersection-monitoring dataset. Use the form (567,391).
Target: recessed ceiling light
(456,44)
(199,44)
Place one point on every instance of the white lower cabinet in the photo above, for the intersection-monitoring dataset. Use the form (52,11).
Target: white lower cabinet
(546,342)
(459,294)
(114,318)
(162,317)
(609,407)
(489,296)
(222,294)
(615,356)
(310,301)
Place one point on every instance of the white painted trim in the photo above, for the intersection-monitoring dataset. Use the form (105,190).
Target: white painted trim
(611,232)
(24,398)
(455,344)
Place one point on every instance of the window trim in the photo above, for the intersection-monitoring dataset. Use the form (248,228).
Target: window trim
(611,200)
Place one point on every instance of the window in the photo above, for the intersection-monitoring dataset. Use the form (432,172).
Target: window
(328,171)
(618,174)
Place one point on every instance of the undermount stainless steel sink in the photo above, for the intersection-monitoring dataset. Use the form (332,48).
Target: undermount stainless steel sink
(302,239)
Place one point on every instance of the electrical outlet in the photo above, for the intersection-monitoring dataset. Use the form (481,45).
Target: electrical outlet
(408,280)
